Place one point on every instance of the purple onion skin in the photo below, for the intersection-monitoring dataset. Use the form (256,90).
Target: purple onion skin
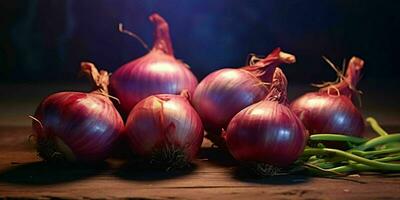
(87,123)
(225,92)
(154,73)
(324,113)
(266,132)
(158,72)
(164,120)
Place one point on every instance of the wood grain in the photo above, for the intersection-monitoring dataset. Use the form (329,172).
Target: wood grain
(214,175)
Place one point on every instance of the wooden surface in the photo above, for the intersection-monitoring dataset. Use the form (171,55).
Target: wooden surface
(214,175)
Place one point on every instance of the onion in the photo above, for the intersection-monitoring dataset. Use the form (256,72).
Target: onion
(76,126)
(267,133)
(225,92)
(330,110)
(158,72)
(165,129)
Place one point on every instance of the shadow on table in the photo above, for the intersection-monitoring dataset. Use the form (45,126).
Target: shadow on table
(243,174)
(217,156)
(222,158)
(41,173)
(140,170)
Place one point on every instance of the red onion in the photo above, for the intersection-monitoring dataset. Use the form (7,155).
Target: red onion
(166,129)
(330,110)
(158,72)
(267,132)
(225,92)
(77,126)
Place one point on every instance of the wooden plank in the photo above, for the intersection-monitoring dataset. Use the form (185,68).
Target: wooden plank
(214,175)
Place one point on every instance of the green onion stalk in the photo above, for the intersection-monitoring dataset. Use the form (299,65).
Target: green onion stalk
(378,154)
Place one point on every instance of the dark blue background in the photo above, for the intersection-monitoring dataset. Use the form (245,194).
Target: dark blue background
(44,40)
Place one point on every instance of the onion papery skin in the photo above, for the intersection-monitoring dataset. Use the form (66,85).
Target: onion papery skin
(164,121)
(331,110)
(87,124)
(157,72)
(154,73)
(222,94)
(324,113)
(225,92)
(266,132)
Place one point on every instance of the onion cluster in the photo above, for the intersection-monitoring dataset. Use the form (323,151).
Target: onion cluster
(247,105)
(162,125)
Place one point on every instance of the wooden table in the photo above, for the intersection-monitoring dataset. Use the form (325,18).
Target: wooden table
(214,175)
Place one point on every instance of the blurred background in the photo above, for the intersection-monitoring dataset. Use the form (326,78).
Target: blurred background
(42,42)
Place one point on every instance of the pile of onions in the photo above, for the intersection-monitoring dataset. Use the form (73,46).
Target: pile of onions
(330,110)
(158,72)
(225,92)
(76,126)
(165,129)
(267,133)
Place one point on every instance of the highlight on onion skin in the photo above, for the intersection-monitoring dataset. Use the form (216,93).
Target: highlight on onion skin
(267,133)
(225,92)
(166,130)
(331,110)
(158,72)
(77,126)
